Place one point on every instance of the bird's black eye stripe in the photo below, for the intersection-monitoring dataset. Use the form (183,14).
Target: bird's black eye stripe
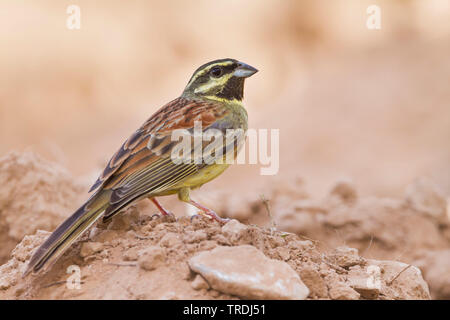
(216,71)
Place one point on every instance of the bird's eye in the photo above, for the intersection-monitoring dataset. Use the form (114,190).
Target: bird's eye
(216,72)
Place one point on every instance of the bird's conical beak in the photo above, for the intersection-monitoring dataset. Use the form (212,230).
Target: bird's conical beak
(244,70)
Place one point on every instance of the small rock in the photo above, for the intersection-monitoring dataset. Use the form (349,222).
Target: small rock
(195,236)
(366,282)
(152,258)
(170,240)
(342,291)
(314,282)
(89,248)
(401,280)
(346,257)
(199,283)
(233,230)
(255,277)
(9,275)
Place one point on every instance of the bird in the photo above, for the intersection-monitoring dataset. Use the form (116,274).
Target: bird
(144,166)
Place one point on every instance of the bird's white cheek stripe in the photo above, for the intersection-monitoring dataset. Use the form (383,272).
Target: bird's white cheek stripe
(212,83)
(206,87)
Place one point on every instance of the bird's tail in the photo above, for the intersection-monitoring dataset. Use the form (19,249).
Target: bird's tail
(61,239)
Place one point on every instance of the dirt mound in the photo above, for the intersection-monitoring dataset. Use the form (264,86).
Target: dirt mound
(34,194)
(339,247)
(137,257)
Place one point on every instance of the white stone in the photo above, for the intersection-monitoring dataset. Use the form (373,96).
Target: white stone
(246,272)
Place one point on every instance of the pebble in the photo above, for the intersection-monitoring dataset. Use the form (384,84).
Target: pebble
(89,248)
(152,258)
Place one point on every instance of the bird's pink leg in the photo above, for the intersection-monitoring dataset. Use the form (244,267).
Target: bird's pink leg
(163,211)
(209,212)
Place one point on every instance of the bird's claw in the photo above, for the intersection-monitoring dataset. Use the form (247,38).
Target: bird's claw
(211,215)
(168,215)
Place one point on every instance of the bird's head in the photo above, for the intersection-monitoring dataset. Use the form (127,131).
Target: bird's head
(221,80)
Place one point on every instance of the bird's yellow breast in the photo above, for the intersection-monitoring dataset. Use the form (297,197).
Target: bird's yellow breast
(204,175)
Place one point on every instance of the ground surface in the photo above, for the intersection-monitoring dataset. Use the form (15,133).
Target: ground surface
(339,247)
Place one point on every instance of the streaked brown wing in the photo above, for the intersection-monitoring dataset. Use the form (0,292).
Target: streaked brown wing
(143,164)
(150,142)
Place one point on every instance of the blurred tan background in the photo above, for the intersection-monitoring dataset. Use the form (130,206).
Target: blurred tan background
(371,105)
